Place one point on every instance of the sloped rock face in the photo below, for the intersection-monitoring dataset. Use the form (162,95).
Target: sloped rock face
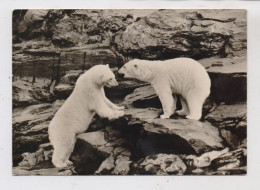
(81,27)
(168,34)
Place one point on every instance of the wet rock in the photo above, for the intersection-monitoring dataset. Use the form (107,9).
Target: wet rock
(161,164)
(193,33)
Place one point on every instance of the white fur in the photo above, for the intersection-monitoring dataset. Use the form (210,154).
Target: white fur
(76,113)
(183,76)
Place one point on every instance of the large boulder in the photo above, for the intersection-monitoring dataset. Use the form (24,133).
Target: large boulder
(171,33)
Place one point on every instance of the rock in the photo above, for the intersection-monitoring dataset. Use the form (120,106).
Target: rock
(233,162)
(124,88)
(96,139)
(63,91)
(93,154)
(223,115)
(82,27)
(39,163)
(231,119)
(30,127)
(89,152)
(71,77)
(193,33)
(106,166)
(161,164)
(193,136)
(23,171)
(25,94)
(205,159)
(122,165)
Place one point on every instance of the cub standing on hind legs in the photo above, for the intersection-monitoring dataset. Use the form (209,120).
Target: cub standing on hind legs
(73,118)
(183,76)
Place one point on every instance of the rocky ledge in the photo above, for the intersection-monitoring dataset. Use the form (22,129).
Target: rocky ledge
(140,142)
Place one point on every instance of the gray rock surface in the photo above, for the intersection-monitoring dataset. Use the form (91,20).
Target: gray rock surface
(162,164)
(195,33)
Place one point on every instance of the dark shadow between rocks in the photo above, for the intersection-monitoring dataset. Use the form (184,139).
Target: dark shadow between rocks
(142,143)
(86,158)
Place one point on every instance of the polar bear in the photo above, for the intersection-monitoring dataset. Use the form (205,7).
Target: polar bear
(87,99)
(183,76)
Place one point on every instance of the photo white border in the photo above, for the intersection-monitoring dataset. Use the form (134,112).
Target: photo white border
(251,181)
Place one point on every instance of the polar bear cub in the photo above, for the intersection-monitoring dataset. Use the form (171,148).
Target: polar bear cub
(183,76)
(75,115)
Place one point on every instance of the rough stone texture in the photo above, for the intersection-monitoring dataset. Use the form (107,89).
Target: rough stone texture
(30,127)
(25,94)
(51,52)
(232,120)
(195,33)
(233,162)
(161,164)
(198,136)
(101,154)
(63,91)
(81,27)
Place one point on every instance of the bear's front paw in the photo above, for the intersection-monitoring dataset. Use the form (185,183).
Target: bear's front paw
(120,108)
(120,113)
(116,115)
(164,116)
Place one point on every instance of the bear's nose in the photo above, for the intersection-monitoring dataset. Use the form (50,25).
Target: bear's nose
(121,75)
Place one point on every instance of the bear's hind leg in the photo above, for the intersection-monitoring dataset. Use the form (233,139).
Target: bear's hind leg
(62,152)
(185,108)
(195,103)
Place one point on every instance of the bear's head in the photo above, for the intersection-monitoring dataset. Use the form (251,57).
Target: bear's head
(134,69)
(104,76)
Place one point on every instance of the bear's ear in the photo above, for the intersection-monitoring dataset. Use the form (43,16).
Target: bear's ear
(107,65)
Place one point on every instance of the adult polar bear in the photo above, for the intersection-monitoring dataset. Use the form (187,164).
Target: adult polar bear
(183,76)
(76,113)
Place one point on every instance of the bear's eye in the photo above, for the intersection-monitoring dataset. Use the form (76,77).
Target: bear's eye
(111,79)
